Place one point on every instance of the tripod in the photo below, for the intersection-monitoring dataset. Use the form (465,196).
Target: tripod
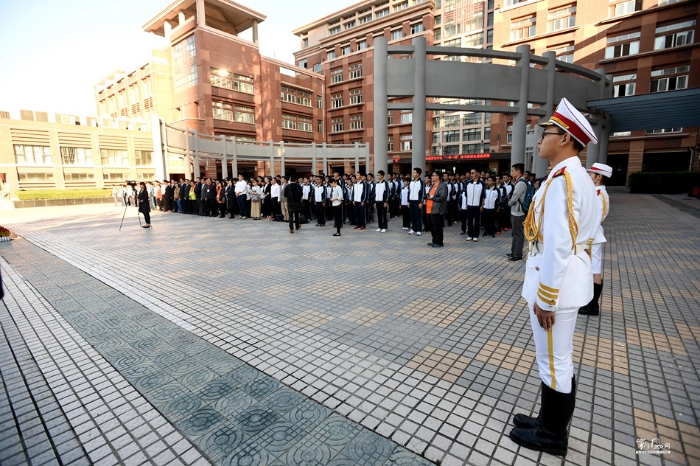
(124,215)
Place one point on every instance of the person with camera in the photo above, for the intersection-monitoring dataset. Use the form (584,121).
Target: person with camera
(144,205)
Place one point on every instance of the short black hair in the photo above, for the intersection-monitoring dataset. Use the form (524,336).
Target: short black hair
(418,169)
(380,172)
(519,166)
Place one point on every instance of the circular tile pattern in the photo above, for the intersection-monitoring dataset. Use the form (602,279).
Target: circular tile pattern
(147,343)
(221,441)
(215,389)
(136,372)
(309,413)
(168,358)
(200,421)
(284,400)
(403,457)
(182,406)
(166,393)
(124,359)
(308,453)
(151,381)
(261,387)
(248,455)
(256,419)
(280,436)
(369,447)
(242,375)
(181,368)
(196,379)
(233,403)
(337,431)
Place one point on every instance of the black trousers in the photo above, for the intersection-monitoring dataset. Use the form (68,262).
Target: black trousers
(147,217)
(437,224)
(381,215)
(213,207)
(307,209)
(294,220)
(350,210)
(275,207)
(463,219)
(489,218)
(405,211)
(415,215)
(518,235)
(338,216)
(360,219)
(320,213)
(368,211)
(473,221)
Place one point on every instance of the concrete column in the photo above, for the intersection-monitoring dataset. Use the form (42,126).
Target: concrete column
(159,158)
(272,159)
(181,18)
(418,125)
(224,165)
(234,160)
(540,165)
(381,119)
(357,158)
(604,139)
(201,17)
(325,159)
(593,150)
(187,159)
(313,157)
(196,153)
(167,29)
(520,119)
(255,31)
(282,151)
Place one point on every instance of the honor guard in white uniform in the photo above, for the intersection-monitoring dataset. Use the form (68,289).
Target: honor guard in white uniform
(559,227)
(598,173)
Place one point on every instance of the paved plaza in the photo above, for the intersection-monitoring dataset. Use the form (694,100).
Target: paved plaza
(212,341)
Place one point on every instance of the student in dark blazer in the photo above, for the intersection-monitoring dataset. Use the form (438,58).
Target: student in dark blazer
(294,193)
(144,206)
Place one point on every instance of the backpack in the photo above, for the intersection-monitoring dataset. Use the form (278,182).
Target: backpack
(529,194)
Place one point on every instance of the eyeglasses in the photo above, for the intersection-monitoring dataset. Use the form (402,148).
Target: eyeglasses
(547,133)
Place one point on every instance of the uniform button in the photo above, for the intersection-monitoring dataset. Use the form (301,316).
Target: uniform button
(537,268)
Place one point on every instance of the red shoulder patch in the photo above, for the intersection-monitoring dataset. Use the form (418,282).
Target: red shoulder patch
(559,172)
(598,192)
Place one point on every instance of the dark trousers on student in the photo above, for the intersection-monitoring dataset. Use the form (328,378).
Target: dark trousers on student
(406,213)
(294,220)
(489,218)
(473,221)
(463,218)
(360,220)
(437,224)
(381,215)
(518,235)
(320,214)
(241,206)
(350,212)
(307,209)
(338,217)
(415,215)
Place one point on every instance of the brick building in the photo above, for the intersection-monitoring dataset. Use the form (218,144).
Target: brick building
(646,46)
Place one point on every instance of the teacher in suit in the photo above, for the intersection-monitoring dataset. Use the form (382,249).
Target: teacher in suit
(435,205)
(144,206)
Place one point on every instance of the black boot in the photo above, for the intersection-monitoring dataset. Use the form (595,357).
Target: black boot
(550,435)
(592,308)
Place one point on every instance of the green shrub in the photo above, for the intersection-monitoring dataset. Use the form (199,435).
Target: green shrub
(33,195)
(663,182)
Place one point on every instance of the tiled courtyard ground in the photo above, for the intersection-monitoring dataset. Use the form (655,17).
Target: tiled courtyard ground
(226,341)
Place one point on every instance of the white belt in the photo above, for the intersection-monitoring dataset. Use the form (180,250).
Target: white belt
(536,247)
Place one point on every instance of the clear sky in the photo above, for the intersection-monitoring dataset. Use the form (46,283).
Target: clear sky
(54,51)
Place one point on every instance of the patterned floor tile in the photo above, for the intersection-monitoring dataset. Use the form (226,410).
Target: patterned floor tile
(430,312)
(439,363)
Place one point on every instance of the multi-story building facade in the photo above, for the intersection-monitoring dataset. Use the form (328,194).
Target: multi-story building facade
(341,47)
(647,46)
(41,150)
(209,79)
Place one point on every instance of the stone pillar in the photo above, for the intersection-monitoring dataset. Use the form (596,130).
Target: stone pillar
(381,118)
(159,157)
(196,152)
(201,16)
(313,157)
(167,29)
(604,139)
(540,165)
(234,160)
(272,159)
(224,165)
(282,150)
(418,125)
(255,31)
(517,154)
(181,18)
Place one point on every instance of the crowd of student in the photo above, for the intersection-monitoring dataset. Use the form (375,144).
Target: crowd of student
(481,203)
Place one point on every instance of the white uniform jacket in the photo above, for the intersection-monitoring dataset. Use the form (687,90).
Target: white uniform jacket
(558,271)
(603,209)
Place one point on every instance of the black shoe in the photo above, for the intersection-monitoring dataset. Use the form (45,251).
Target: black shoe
(291,231)
(514,259)
(336,234)
(439,246)
(432,245)
(526,422)
(509,255)
(589,310)
(145,226)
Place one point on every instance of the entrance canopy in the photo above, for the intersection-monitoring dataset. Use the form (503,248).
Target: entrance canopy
(672,109)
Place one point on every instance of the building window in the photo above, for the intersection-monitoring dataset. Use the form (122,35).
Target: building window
(451,121)
(562,18)
(476,21)
(337,100)
(397,34)
(114,158)
(487,133)
(450,150)
(471,148)
(436,123)
(222,111)
(473,134)
(319,101)
(565,53)
(663,130)
(437,34)
(523,28)
(436,138)
(669,79)
(624,85)
(337,75)
(243,83)
(355,71)
(245,114)
(289,121)
(333,30)
(114,176)
(406,117)
(623,45)
(319,124)
(184,51)
(624,7)
(305,42)
(337,125)
(451,27)
(472,119)
(449,6)
(406,142)
(475,40)
(489,37)
(317,68)
(361,45)
(390,145)
(295,96)
(35,177)
(331,55)
(365,19)
(438,20)
(489,19)
(381,13)
(668,2)
(401,6)
(355,96)
(350,24)
(416,28)
(144,158)
(390,118)
(509,138)
(450,136)
(303,63)
(77,177)
(220,78)
(184,81)
(76,156)
(356,122)
(33,155)
(345,50)
(675,39)
(453,43)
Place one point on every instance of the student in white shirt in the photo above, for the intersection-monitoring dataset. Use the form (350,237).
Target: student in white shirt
(488,216)
(336,201)
(405,211)
(381,197)
(241,192)
(416,196)
(475,205)
(275,199)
